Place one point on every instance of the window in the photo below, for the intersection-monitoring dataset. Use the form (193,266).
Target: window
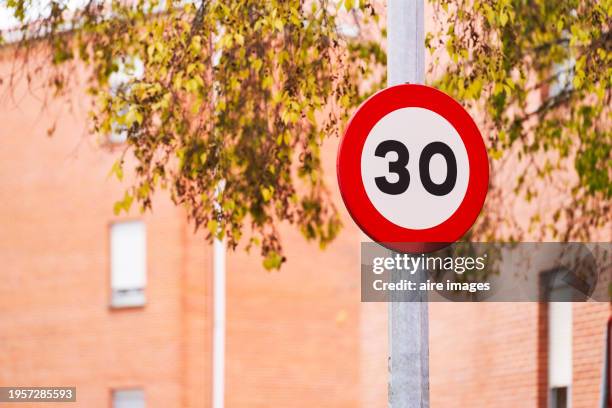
(128,264)
(558,397)
(128,399)
(119,81)
(560,295)
(563,73)
(348,25)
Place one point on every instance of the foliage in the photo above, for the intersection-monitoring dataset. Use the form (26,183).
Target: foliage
(538,76)
(232,106)
(237,96)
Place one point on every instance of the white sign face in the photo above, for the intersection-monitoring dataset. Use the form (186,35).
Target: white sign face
(415,168)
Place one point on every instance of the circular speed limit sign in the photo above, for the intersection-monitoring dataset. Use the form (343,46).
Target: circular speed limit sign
(412,168)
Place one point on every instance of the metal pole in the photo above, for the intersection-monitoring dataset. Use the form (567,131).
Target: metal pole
(219,294)
(408,321)
(219,275)
(218,377)
(405,42)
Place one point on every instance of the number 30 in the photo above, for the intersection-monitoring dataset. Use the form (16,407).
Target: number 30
(399,167)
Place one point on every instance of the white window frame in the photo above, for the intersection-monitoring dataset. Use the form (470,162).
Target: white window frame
(129,69)
(128,291)
(129,393)
(560,335)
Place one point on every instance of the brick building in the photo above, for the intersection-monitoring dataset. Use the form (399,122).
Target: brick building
(76,311)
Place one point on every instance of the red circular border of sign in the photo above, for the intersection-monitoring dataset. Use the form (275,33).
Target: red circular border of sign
(369,219)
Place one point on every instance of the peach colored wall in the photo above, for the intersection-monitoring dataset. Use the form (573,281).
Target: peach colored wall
(484,355)
(494,354)
(588,352)
(56,327)
(293,336)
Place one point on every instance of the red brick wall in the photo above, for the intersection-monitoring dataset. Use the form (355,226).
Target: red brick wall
(495,354)
(293,335)
(484,355)
(296,338)
(543,356)
(588,344)
(56,326)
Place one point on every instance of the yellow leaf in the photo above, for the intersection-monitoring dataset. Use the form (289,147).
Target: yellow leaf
(278,24)
(133,116)
(267,82)
(117,170)
(503,18)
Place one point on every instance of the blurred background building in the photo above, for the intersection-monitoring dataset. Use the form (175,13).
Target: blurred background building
(122,306)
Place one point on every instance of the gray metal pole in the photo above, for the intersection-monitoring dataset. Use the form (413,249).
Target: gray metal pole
(405,42)
(408,321)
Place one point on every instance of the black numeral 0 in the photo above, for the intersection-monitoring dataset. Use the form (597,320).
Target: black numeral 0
(399,167)
(451,169)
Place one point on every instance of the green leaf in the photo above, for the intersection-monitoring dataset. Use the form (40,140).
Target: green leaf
(273,261)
